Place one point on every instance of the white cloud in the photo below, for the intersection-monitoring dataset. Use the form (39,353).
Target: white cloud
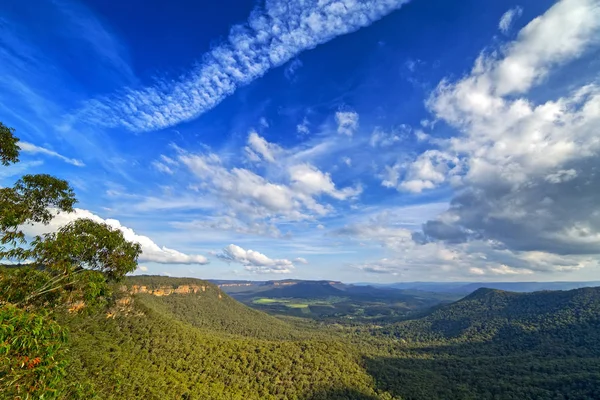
(300,260)
(290,193)
(259,148)
(33,149)
(157,165)
(523,167)
(413,259)
(272,36)
(254,261)
(231,224)
(380,138)
(307,179)
(143,268)
(347,161)
(347,122)
(151,252)
(508,18)
(430,169)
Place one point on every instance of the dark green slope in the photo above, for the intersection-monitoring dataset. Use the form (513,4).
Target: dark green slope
(498,345)
(564,316)
(208,346)
(304,289)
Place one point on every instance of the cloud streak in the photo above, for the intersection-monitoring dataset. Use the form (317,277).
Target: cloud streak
(33,149)
(273,35)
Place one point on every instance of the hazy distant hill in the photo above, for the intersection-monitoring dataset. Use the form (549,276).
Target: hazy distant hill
(303,289)
(468,287)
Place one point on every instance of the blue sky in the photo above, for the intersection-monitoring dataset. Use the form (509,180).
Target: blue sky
(373,140)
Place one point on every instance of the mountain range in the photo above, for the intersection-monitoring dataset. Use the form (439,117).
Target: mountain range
(179,338)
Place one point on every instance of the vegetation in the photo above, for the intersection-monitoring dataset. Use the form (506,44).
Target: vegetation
(65,270)
(154,351)
(495,344)
(334,302)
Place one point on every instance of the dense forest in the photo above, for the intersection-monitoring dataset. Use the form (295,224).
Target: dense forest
(206,345)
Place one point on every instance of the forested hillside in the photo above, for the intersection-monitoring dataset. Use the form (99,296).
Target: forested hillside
(494,344)
(206,345)
(173,338)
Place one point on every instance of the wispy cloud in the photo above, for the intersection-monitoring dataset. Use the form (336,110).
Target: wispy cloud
(32,148)
(347,122)
(508,18)
(273,35)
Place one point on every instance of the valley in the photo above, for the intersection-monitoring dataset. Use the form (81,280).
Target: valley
(205,344)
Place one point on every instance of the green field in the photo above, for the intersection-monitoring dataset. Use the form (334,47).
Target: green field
(268,301)
(295,303)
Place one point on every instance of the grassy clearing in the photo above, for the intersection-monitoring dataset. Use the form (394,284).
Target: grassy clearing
(296,305)
(265,300)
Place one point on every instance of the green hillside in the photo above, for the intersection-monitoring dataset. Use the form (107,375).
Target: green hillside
(180,338)
(208,346)
(567,317)
(212,310)
(497,345)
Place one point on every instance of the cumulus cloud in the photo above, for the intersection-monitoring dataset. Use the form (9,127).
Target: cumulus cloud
(294,192)
(33,149)
(273,35)
(430,169)
(307,179)
(412,258)
(524,168)
(300,260)
(508,18)
(151,252)
(143,268)
(347,122)
(254,261)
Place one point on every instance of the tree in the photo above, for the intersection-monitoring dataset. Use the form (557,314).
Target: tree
(70,266)
(9,150)
(82,244)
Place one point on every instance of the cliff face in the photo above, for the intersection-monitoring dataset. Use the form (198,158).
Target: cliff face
(167,290)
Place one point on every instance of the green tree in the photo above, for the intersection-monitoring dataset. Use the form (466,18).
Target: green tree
(71,266)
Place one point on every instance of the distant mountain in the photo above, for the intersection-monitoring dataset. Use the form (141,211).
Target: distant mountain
(303,289)
(495,344)
(468,287)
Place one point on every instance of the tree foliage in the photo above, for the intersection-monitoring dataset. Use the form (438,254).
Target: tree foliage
(87,244)
(32,355)
(9,148)
(64,271)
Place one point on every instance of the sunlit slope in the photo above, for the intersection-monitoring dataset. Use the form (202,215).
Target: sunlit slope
(205,345)
(207,307)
